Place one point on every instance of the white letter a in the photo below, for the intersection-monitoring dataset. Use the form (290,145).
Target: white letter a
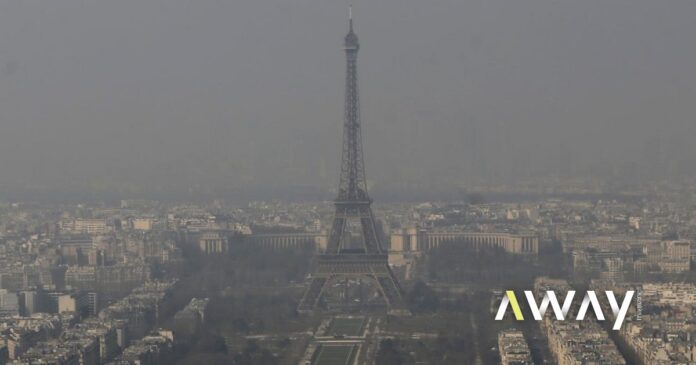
(590,298)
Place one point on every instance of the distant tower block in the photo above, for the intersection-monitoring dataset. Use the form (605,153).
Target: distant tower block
(344,257)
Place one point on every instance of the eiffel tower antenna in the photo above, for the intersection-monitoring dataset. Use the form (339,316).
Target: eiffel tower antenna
(350,17)
(342,260)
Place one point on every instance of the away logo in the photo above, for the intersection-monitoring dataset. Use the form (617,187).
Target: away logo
(561,312)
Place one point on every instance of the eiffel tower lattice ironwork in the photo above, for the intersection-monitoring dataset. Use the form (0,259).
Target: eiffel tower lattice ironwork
(342,261)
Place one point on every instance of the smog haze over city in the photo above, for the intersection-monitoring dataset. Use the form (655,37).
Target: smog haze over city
(237,182)
(175,96)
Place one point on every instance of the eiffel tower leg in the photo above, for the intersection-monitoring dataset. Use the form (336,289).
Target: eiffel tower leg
(370,232)
(392,293)
(311,298)
(337,229)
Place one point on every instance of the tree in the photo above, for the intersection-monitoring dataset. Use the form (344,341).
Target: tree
(388,354)
(422,298)
(253,354)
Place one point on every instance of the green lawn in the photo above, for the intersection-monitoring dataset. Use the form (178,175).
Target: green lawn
(341,326)
(336,355)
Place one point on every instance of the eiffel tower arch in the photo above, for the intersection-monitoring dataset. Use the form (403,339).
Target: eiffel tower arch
(345,257)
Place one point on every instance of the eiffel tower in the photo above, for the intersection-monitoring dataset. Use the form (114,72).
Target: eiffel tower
(342,260)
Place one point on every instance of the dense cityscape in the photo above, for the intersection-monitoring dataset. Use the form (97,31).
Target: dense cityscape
(146,282)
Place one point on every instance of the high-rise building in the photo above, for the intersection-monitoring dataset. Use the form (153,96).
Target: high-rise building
(9,303)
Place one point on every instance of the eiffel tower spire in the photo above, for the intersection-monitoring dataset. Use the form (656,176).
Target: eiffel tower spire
(342,259)
(352,185)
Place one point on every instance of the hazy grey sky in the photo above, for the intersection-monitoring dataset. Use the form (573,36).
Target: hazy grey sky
(246,92)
